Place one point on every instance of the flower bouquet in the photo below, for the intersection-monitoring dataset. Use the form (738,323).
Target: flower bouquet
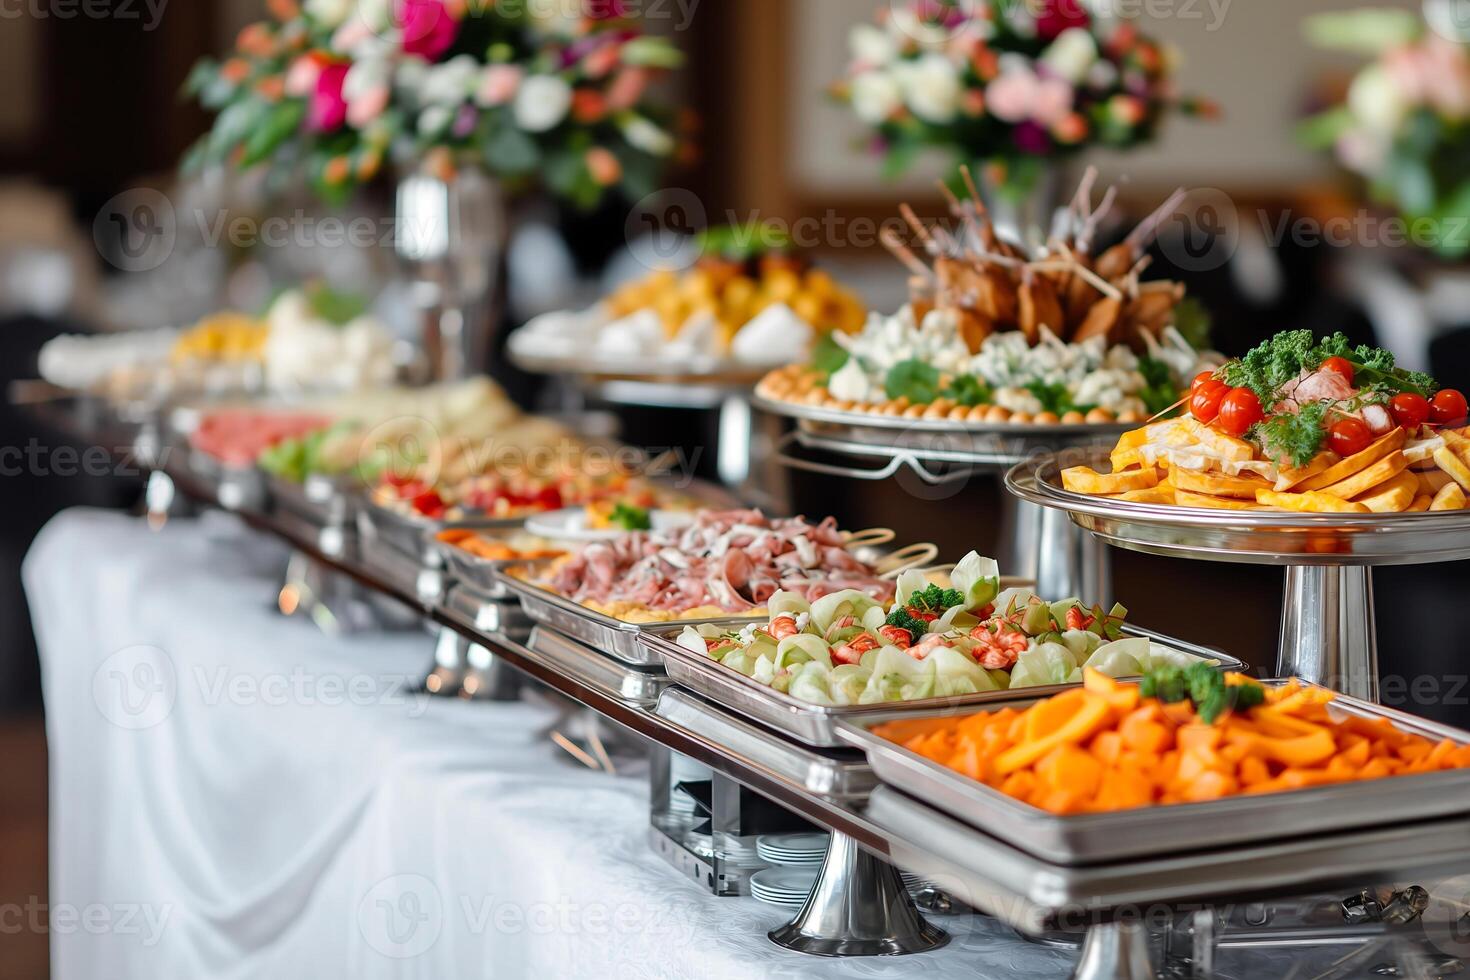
(1404,125)
(522,91)
(1012,85)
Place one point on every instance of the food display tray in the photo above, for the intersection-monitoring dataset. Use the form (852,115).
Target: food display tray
(485,614)
(1100,838)
(836,775)
(815,724)
(1252,536)
(614,637)
(233,487)
(481,574)
(589,667)
(321,500)
(414,535)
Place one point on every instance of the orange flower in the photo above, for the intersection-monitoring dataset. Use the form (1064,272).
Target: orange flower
(235,70)
(271,88)
(439,162)
(1071,129)
(337,170)
(604,167)
(588,105)
(369,165)
(256,39)
(283,9)
(974,103)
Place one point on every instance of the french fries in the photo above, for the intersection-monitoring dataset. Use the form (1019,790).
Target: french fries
(1186,499)
(1218,484)
(1432,482)
(1161,494)
(1340,471)
(1392,497)
(1082,479)
(1310,502)
(1289,477)
(1382,471)
(1454,466)
(1451,497)
(1420,505)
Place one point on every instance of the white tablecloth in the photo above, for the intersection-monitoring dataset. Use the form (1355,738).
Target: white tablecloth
(236,795)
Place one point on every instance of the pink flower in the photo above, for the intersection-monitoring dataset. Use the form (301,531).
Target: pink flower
(428,27)
(328,109)
(627,88)
(1436,72)
(1018,95)
(302,75)
(368,106)
(498,85)
(352,33)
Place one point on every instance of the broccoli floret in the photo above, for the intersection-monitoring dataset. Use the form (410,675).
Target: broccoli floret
(936,600)
(1203,685)
(901,618)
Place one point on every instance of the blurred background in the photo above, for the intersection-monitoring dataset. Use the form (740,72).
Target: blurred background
(92,121)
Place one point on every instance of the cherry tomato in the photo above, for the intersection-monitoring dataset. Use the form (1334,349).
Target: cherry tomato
(1348,437)
(1200,379)
(1339,365)
(1204,404)
(1409,410)
(429,504)
(1448,407)
(1239,410)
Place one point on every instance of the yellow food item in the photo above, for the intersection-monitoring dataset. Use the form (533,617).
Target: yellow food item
(1186,499)
(1339,471)
(1366,479)
(1083,479)
(1421,503)
(1218,484)
(1391,496)
(225,336)
(1454,466)
(1450,497)
(1310,502)
(1104,747)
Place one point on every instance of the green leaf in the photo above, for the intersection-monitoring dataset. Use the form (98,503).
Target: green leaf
(651,52)
(278,125)
(899,158)
(1321,132)
(1192,320)
(968,390)
(509,150)
(335,307)
(915,380)
(1368,32)
(828,356)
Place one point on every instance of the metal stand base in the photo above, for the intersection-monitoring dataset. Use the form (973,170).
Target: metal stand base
(858,907)
(1115,951)
(1327,629)
(1043,544)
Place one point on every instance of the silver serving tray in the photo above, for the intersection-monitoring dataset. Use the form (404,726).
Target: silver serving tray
(816,724)
(481,574)
(322,500)
(591,668)
(235,488)
(1100,838)
(1260,537)
(841,776)
(614,637)
(414,535)
(485,614)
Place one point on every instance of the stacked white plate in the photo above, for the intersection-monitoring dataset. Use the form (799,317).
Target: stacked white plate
(792,850)
(786,887)
(738,854)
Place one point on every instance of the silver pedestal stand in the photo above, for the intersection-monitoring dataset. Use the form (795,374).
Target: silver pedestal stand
(858,907)
(1037,543)
(1327,621)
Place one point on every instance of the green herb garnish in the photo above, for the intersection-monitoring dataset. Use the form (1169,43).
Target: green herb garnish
(1298,437)
(969,391)
(828,356)
(933,599)
(1203,685)
(1269,366)
(914,380)
(630,517)
(1161,393)
(1055,398)
(906,620)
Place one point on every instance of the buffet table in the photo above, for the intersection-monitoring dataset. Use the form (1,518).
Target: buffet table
(236,792)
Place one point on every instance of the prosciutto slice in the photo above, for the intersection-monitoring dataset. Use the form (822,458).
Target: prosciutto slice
(731,559)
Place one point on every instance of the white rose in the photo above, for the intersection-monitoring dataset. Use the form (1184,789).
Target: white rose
(364,76)
(376,14)
(872,45)
(875,96)
(542,102)
(932,88)
(644,135)
(328,13)
(450,83)
(435,120)
(1072,54)
(1376,101)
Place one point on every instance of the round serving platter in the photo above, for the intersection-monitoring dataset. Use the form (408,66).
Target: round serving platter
(1259,537)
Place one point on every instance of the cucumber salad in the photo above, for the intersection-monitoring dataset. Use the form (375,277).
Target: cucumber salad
(846,648)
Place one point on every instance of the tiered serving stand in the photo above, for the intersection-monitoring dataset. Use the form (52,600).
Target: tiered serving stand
(1037,543)
(1327,619)
(884,813)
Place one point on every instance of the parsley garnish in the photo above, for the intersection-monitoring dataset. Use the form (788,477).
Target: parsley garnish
(1055,398)
(969,391)
(1296,437)
(912,379)
(828,356)
(1283,358)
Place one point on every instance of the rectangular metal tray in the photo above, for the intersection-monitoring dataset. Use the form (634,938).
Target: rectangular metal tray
(816,724)
(591,668)
(843,775)
(614,637)
(481,574)
(413,535)
(1098,838)
(1031,894)
(486,615)
(321,500)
